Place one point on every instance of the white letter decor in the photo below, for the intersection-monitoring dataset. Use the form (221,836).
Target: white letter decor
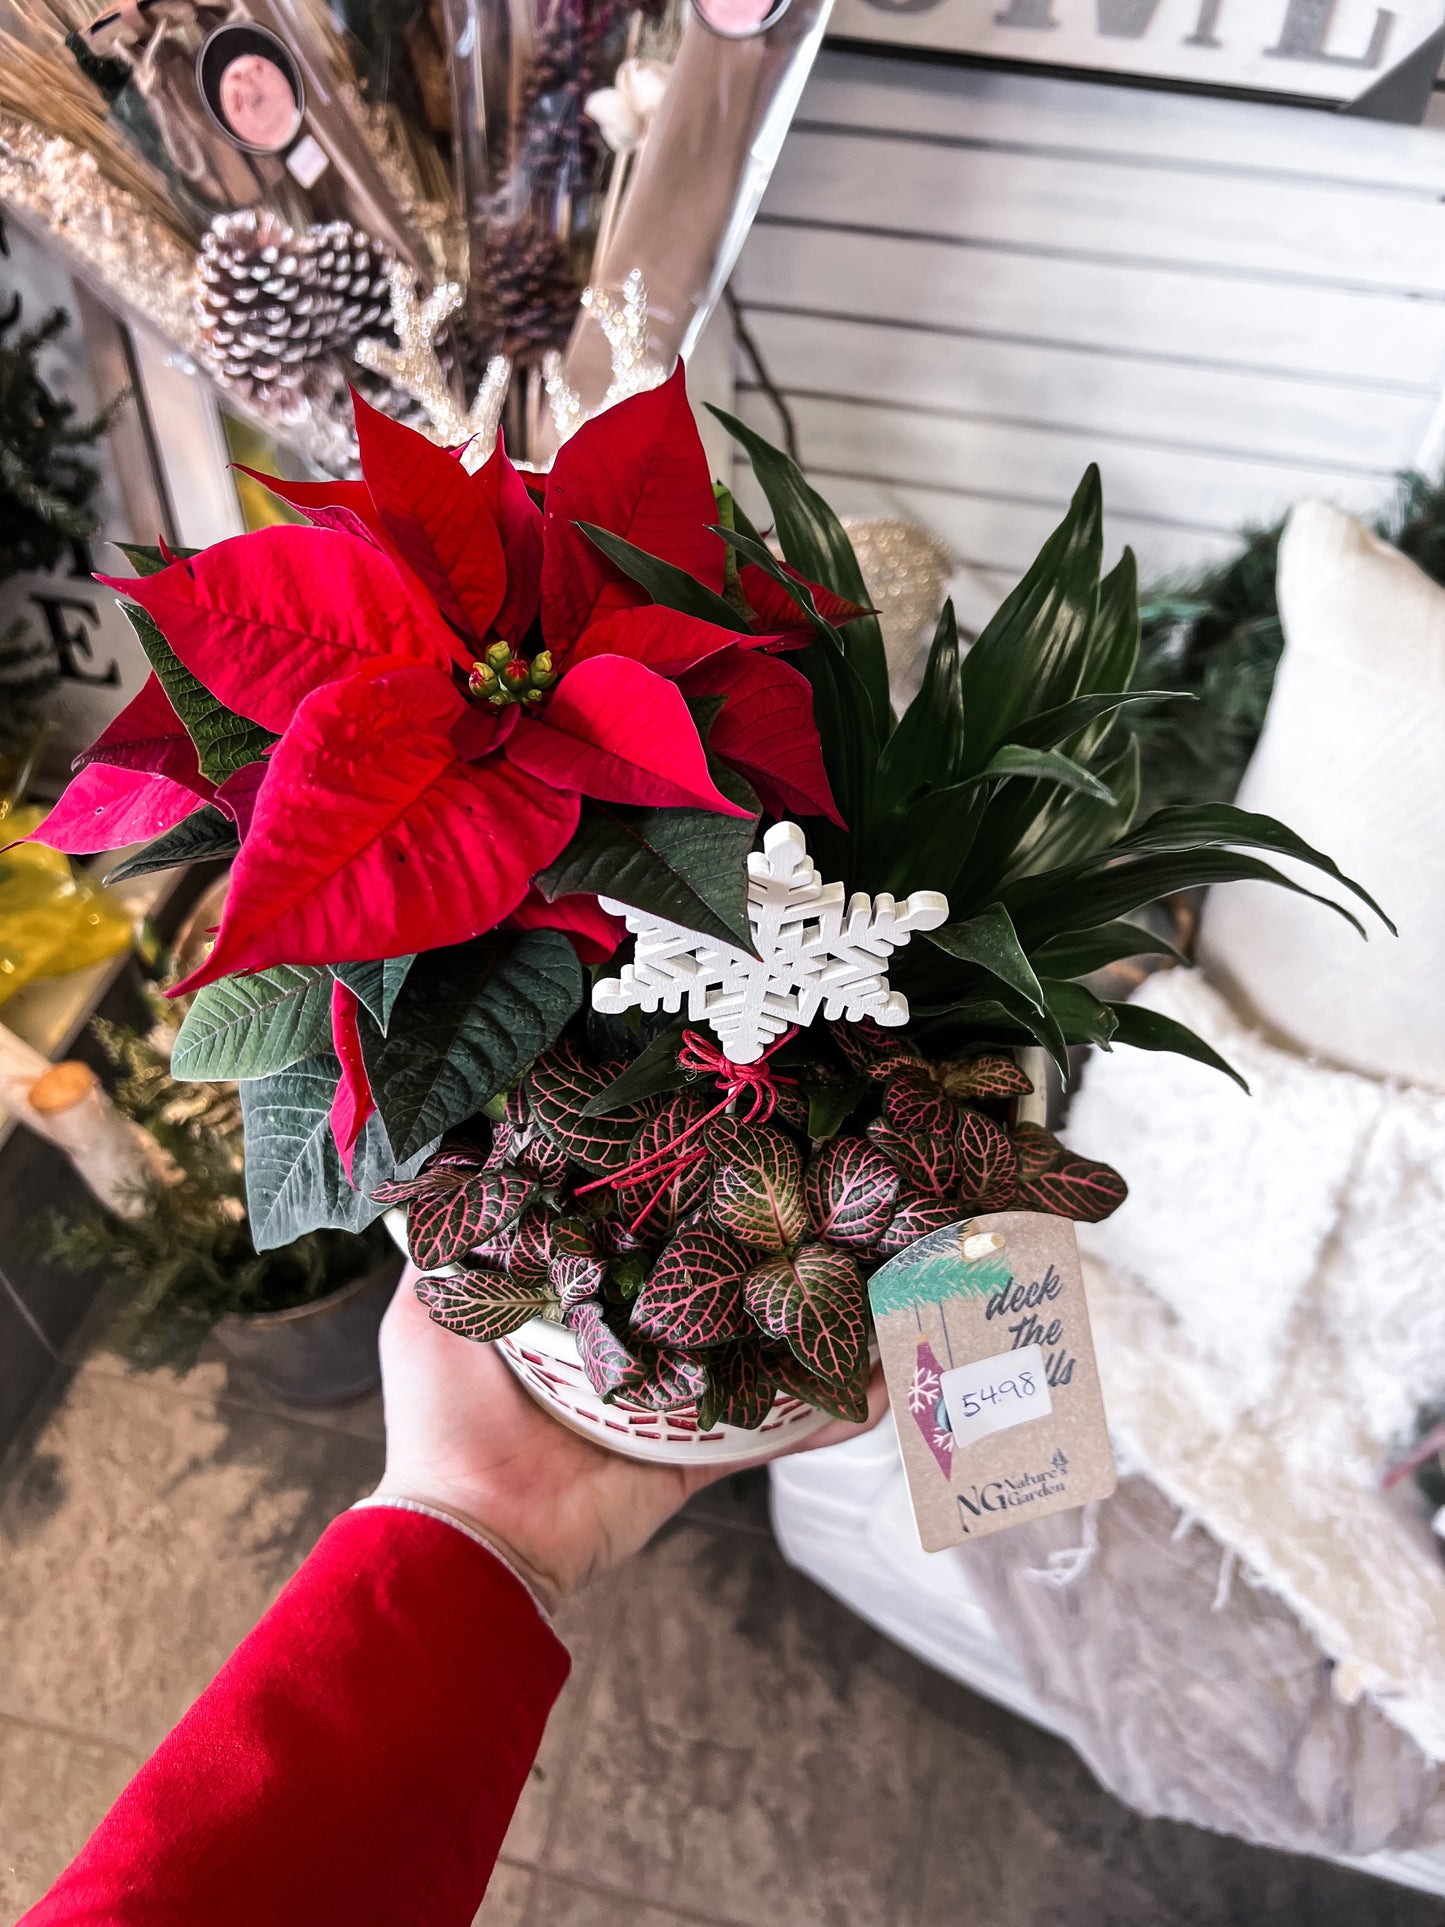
(815,955)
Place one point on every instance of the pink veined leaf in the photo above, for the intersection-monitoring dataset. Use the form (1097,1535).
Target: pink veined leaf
(148,735)
(574,1278)
(912,1101)
(531,1251)
(619,732)
(664,639)
(670,1381)
(877,1053)
(1036,1151)
(757,1187)
(989,1170)
(558,1086)
(914,1218)
(443,1227)
(104,808)
(267,619)
(436,517)
(593,934)
(851,1189)
(815,1300)
(638,471)
(519,522)
(1080,1189)
(353,1103)
(992,1075)
(766,730)
(371,839)
(678,1169)
(927,1162)
(740,1389)
(845,1398)
(693,1296)
(480,1305)
(611,1367)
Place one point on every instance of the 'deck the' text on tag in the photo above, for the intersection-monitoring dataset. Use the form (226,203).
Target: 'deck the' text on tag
(990,1365)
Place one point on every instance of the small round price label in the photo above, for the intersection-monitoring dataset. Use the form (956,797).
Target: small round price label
(993,1394)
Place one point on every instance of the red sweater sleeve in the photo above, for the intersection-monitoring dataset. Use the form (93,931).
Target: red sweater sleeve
(356,1759)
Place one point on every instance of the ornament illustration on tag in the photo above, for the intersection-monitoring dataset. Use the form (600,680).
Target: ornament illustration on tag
(984,1333)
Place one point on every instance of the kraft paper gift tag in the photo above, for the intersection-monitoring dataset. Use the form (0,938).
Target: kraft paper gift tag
(985,1339)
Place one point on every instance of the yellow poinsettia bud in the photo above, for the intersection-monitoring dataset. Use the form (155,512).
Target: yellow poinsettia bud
(543,675)
(482,680)
(499,655)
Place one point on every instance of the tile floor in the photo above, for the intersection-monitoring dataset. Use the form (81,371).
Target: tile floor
(734,1748)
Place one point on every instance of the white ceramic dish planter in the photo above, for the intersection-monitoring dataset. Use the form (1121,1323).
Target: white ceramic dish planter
(545,1358)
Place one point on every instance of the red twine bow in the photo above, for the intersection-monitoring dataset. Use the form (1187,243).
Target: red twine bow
(758,1083)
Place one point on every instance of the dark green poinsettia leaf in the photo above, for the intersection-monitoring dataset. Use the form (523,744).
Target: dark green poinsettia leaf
(739,1390)
(989,941)
(376,985)
(610,1366)
(558,1088)
(679,1170)
(1152,1030)
(1080,952)
(926,1160)
(441,1228)
(914,1101)
(693,1297)
(914,1219)
(529,1251)
(1077,1188)
(991,1075)
(481,1305)
(689,866)
(1079,1014)
(925,752)
(668,585)
(465,1023)
(988,1168)
(1032,655)
(1036,1150)
(850,1189)
(652,1072)
(845,1398)
(147,559)
(250,1026)
(757,1185)
(224,741)
(830,1106)
(815,1300)
(206,832)
(294,1179)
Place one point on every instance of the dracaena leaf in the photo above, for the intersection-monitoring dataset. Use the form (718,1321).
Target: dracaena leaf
(829,1105)
(641,473)
(251,1026)
(914,1219)
(989,941)
(815,1301)
(481,1305)
(988,1168)
(558,1088)
(1152,1030)
(468,1019)
(610,1365)
(208,832)
(1078,1188)
(926,1161)
(670,587)
(913,1101)
(757,1186)
(1079,952)
(851,1189)
(440,1228)
(991,1075)
(925,749)
(693,1297)
(652,1072)
(845,1397)
(740,1390)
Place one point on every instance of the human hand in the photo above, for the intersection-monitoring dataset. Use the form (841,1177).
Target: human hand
(463,1436)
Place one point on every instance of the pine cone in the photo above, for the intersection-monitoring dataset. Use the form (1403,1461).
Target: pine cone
(530,288)
(271,300)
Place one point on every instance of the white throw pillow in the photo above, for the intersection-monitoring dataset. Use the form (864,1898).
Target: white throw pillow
(1353,758)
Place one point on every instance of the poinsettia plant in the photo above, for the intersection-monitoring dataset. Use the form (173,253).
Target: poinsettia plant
(436,723)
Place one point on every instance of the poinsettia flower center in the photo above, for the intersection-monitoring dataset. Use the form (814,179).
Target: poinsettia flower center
(502,676)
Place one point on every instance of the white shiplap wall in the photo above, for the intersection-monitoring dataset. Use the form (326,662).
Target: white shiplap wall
(970,284)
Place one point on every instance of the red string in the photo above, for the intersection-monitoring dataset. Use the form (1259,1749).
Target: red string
(758,1083)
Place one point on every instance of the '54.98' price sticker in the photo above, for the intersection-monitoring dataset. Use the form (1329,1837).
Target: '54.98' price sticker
(992,1394)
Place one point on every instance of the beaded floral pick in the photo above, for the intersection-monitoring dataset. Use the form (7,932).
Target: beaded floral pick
(624,323)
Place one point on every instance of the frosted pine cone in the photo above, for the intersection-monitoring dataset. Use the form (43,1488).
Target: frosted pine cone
(530,288)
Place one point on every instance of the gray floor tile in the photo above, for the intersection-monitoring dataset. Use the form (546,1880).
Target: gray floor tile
(566,1903)
(740,1500)
(214,1376)
(143,1538)
(507,1894)
(54,1787)
(751,1751)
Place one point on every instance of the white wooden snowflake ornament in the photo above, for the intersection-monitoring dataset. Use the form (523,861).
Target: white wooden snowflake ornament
(816,955)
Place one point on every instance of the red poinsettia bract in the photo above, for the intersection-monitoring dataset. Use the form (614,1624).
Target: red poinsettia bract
(449,667)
